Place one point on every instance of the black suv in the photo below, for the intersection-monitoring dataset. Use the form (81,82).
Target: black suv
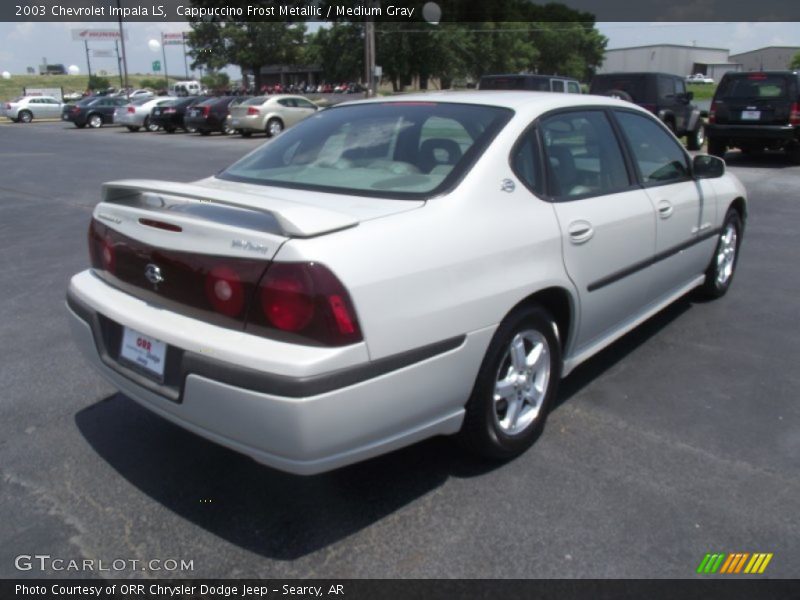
(754,111)
(533,83)
(662,94)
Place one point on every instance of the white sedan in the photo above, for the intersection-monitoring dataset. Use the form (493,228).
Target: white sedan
(699,78)
(25,109)
(395,269)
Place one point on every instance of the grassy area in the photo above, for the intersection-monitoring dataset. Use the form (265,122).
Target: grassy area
(10,88)
(702,91)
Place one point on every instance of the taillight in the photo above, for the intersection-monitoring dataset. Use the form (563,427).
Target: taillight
(101,248)
(76,109)
(206,110)
(304,303)
(252,110)
(131,110)
(794,115)
(225,291)
(169,110)
(712,112)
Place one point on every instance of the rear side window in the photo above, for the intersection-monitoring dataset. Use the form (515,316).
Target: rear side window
(658,156)
(756,85)
(583,156)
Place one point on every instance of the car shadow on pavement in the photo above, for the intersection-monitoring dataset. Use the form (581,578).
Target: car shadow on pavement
(765,160)
(283,516)
(257,508)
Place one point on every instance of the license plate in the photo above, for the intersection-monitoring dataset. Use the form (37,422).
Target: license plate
(751,115)
(235,122)
(143,351)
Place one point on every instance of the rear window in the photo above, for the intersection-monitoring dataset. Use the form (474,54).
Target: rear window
(255,101)
(633,86)
(755,85)
(510,82)
(393,149)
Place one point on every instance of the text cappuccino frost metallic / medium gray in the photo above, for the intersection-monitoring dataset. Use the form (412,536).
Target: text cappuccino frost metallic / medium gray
(425,265)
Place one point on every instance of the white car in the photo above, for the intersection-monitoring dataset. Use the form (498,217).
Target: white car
(136,115)
(699,78)
(25,109)
(395,269)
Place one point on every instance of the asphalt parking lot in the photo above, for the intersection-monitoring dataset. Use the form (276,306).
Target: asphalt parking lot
(682,438)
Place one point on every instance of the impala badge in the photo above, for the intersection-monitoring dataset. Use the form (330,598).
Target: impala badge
(153,274)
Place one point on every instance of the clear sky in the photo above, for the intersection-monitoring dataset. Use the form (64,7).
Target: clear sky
(25,44)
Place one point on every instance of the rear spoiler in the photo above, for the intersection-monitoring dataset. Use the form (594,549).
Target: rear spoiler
(295,219)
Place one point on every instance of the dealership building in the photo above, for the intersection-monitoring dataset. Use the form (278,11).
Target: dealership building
(771,58)
(670,58)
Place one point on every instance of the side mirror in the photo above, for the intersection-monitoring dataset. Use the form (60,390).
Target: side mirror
(705,166)
(689,96)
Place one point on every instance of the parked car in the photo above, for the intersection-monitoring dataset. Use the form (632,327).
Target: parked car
(755,111)
(662,94)
(270,114)
(94,111)
(136,115)
(395,269)
(212,115)
(535,83)
(699,78)
(170,116)
(141,94)
(25,109)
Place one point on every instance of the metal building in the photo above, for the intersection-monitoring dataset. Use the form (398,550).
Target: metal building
(670,58)
(771,58)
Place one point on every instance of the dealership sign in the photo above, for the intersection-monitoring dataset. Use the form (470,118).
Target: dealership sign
(173,39)
(96,35)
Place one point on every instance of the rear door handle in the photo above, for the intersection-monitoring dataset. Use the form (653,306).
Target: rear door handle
(580,231)
(665,209)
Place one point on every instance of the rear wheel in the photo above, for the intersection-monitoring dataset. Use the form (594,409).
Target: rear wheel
(25,116)
(150,126)
(274,127)
(132,128)
(95,121)
(515,386)
(719,274)
(205,132)
(716,147)
(695,139)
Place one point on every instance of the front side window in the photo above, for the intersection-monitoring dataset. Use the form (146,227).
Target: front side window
(582,154)
(658,156)
(394,149)
(557,85)
(573,87)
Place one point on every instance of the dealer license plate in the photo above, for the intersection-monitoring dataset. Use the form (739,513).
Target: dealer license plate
(751,115)
(143,351)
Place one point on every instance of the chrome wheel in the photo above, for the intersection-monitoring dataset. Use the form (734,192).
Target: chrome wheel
(95,121)
(726,255)
(521,382)
(274,127)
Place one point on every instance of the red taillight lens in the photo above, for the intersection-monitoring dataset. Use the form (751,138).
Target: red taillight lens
(131,110)
(225,291)
(206,110)
(252,110)
(101,248)
(712,112)
(304,303)
(794,115)
(76,109)
(169,110)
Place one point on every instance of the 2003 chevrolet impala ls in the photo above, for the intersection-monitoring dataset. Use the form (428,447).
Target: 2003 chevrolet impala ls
(391,270)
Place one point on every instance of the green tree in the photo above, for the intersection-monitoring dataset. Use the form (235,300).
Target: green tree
(216,81)
(795,62)
(339,51)
(98,83)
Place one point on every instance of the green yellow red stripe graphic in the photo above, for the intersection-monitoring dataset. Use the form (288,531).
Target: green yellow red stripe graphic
(734,563)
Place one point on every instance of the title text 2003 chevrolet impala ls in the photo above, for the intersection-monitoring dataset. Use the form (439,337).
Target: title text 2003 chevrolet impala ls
(391,270)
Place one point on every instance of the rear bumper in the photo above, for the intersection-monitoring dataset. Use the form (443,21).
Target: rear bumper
(786,133)
(303,424)
(200,123)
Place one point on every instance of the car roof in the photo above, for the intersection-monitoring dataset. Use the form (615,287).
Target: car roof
(636,74)
(527,101)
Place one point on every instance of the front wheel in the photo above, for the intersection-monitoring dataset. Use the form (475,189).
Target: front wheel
(516,384)
(696,138)
(719,274)
(716,147)
(274,127)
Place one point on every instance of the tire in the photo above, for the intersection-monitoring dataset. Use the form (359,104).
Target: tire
(695,139)
(205,132)
(246,133)
(226,130)
(793,152)
(95,121)
(25,116)
(190,129)
(132,128)
(169,129)
(80,125)
(274,127)
(722,267)
(151,127)
(490,428)
(620,94)
(716,147)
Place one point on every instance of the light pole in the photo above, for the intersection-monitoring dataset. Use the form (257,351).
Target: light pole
(124,58)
